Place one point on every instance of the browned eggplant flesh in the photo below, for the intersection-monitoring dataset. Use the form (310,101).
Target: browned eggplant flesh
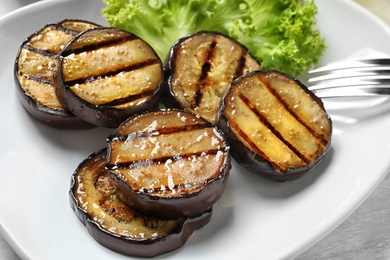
(116,226)
(105,75)
(276,127)
(34,69)
(200,69)
(168,163)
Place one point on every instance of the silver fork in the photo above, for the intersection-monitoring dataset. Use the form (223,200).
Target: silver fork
(355,78)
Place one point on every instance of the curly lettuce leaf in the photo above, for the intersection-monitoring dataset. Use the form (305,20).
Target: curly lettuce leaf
(281,34)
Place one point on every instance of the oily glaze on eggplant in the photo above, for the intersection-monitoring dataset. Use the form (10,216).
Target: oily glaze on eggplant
(94,199)
(105,75)
(34,68)
(200,69)
(168,163)
(276,127)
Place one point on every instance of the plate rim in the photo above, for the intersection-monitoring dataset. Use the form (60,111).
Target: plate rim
(20,251)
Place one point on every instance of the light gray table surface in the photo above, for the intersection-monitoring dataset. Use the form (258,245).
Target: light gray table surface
(364,235)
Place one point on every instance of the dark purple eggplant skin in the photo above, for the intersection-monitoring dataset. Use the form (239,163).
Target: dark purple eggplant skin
(255,163)
(126,245)
(168,98)
(100,115)
(188,205)
(104,116)
(147,248)
(193,204)
(48,116)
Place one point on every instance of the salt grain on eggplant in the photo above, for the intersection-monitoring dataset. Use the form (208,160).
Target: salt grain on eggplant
(168,163)
(200,69)
(34,69)
(276,127)
(105,75)
(116,226)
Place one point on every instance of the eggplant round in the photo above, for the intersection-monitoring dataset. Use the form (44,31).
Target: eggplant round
(104,75)
(276,127)
(34,69)
(116,226)
(168,163)
(200,68)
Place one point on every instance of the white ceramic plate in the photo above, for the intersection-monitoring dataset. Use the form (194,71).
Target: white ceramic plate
(254,218)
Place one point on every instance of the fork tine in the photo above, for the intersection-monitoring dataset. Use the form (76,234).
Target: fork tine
(365,82)
(378,61)
(348,87)
(354,91)
(360,63)
(352,78)
(368,74)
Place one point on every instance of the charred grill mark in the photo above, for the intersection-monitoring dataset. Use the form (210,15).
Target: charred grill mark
(40,51)
(98,45)
(162,160)
(291,111)
(62,28)
(53,27)
(166,188)
(207,65)
(150,162)
(128,99)
(252,145)
(273,130)
(92,78)
(39,79)
(241,65)
(204,73)
(157,132)
(197,98)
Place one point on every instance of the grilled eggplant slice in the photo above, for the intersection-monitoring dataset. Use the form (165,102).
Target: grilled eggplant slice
(115,225)
(106,74)
(200,69)
(34,69)
(168,163)
(276,127)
